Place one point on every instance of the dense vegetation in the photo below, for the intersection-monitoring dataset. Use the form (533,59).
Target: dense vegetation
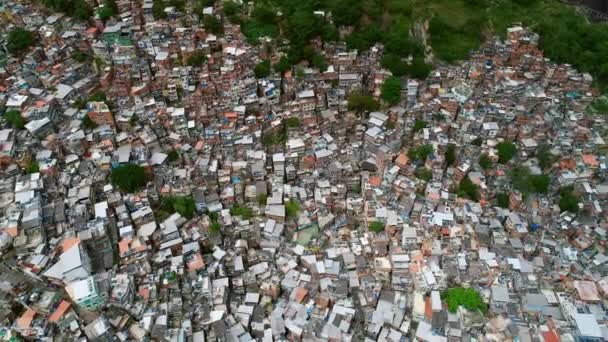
(14,119)
(468,189)
(528,183)
(376,226)
(129,177)
(292,208)
(455,27)
(19,39)
(506,151)
(78,9)
(197,59)
(262,69)
(362,103)
(391,90)
(568,201)
(243,211)
(469,298)
(420,153)
(180,204)
(32,167)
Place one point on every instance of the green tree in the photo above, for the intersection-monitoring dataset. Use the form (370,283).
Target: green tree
(423,173)
(450,154)
(376,226)
(80,56)
(184,205)
(362,103)
(292,208)
(506,151)
(243,211)
(545,157)
(158,9)
(540,183)
(418,69)
(173,155)
(292,122)
(262,69)
(88,123)
(262,199)
(14,119)
(527,183)
(32,167)
(419,125)
(98,96)
(19,39)
(502,200)
(129,177)
(485,162)
(568,201)
(395,64)
(318,61)
(213,25)
(197,59)
(420,153)
(468,189)
(282,65)
(477,141)
(391,90)
(105,13)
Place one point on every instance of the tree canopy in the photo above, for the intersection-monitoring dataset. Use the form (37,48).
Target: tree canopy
(184,205)
(78,9)
(420,153)
(197,59)
(292,208)
(506,151)
(376,226)
(362,103)
(391,90)
(468,189)
(568,201)
(262,69)
(129,177)
(243,211)
(14,119)
(527,183)
(19,39)
(450,155)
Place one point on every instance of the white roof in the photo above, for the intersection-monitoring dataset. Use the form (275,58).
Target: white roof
(16,100)
(79,289)
(101,209)
(587,325)
(68,261)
